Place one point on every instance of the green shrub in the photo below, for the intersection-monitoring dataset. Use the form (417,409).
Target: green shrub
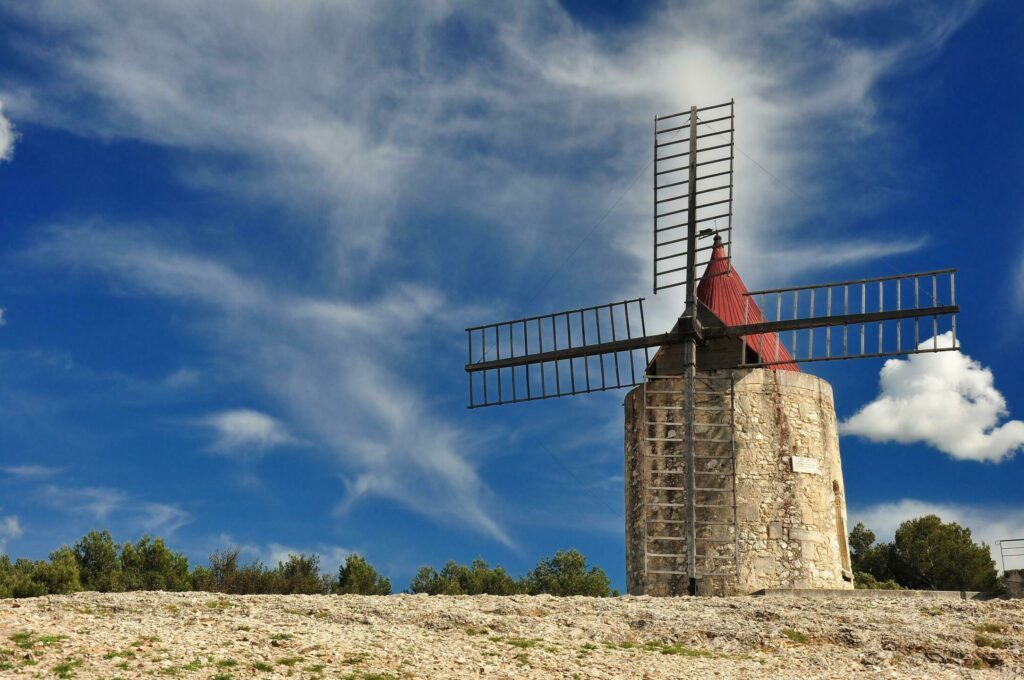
(300,575)
(865,581)
(565,573)
(225,575)
(98,563)
(61,575)
(150,565)
(458,579)
(357,576)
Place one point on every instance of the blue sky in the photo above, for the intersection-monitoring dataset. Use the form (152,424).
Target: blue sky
(239,243)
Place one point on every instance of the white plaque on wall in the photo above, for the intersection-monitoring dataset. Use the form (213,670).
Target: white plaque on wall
(808,465)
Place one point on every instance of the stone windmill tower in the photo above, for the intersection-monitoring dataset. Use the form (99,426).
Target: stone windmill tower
(733,476)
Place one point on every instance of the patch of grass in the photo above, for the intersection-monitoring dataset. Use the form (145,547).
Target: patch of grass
(523,658)
(370,676)
(262,667)
(476,631)
(626,644)
(227,663)
(219,604)
(682,650)
(983,640)
(123,665)
(25,639)
(243,627)
(47,640)
(932,611)
(194,665)
(281,636)
(990,628)
(123,654)
(676,649)
(521,643)
(4,666)
(795,636)
(66,669)
(223,676)
(315,668)
(589,646)
(353,659)
(145,640)
(288,661)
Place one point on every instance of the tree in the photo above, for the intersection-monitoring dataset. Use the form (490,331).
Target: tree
(61,575)
(150,565)
(358,577)
(224,575)
(98,562)
(934,555)
(459,579)
(566,573)
(300,574)
(872,564)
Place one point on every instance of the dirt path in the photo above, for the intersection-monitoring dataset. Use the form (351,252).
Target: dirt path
(199,635)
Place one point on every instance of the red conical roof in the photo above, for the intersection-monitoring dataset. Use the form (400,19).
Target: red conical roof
(722,291)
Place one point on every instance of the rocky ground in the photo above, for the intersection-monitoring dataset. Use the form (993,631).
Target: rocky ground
(200,635)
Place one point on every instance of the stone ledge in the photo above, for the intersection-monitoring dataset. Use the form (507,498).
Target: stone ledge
(924,594)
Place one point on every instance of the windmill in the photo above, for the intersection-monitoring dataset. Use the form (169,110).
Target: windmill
(724,329)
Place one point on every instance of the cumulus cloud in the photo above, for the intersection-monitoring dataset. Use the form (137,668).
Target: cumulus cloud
(8,137)
(246,429)
(9,528)
(987,523)
(946,400)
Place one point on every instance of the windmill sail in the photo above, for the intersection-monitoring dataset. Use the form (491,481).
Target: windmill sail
(572,352)
(878,317)
(693,182)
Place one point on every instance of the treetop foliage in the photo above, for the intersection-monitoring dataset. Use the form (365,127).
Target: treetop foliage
(98,563)
(925,554)
(564,573)
(357,577)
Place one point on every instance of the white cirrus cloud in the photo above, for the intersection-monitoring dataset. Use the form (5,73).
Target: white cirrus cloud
(945,400)
(30,472)
(988,523)
(332,364)
(1018,280)
(162,518)
(9,528)
(350,116)
(8,137)
(115,507)
(334,106)
(246,429)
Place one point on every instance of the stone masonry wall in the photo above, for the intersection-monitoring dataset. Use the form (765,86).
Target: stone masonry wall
(790,497)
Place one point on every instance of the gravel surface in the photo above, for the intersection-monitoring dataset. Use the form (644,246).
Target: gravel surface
(202,635)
